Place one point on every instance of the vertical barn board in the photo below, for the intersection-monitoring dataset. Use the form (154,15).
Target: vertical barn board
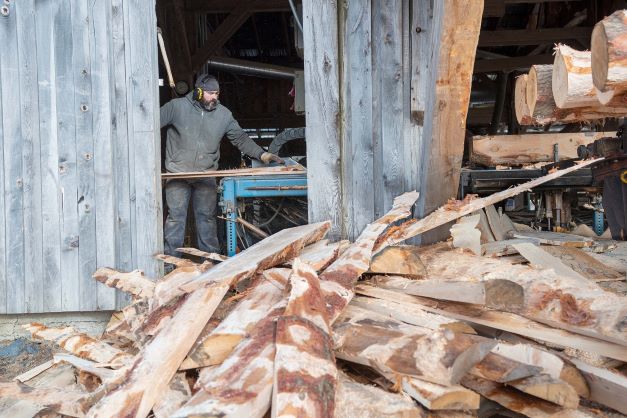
(410,141)
(3,271)
(50,194)
(27,57)
(101,86)
(9,73)
(389,58)
(145,136)
(460,27)
(357,145)
(66,140)
(322,89)
(425,48)
(119,133)
(377,112)
(86,202)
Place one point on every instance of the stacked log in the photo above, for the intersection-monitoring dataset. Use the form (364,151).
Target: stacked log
(572,78)
(609,53)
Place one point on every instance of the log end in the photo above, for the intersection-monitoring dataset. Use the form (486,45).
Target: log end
(600,56)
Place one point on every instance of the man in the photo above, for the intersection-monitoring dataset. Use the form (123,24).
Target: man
(197,123)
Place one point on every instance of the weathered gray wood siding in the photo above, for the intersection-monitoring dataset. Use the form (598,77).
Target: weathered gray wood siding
(79,150)
(364,152)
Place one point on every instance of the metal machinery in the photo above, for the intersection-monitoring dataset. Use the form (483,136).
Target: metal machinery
(232,189)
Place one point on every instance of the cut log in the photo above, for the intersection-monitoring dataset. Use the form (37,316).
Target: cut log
(411,315)
(495,293)
(441,356)
(516,401)
(263,296)
(403,260)
(134,282)
(242,385)
(500,224)
(198,253)
(500,320)
(437,397)
(606,387)
(497,368)
(544,110)
(338,280)
(554,238)
(581,262)
(466,235)
(550,389)
(523,113)
(363,401)
(514,150)
(177,394)
(80,344)
(305,375)
(456,209)
(162,356)
(612,98)
(609,67)
(572,78)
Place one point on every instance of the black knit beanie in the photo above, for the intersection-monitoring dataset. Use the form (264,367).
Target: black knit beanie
(208,83)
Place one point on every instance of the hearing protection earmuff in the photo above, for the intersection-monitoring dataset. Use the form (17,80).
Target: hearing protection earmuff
(198,92)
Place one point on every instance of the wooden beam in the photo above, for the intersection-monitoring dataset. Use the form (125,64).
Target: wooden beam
(522,149)
(216,40)
(606,387)
(459,31)
(532,36)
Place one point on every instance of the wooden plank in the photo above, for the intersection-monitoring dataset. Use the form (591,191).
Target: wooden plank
(542,259)
(304,351)
(484,227)
(143,99)
(606,387)
(387,54)
(67,173)
(494,293)
(64,401)
(456,209)
(437,397)
(12,167)
(460,27)
(466,235)
(3,243)
(125,251)
(29,374)
(177,395)
(85,203)
(554,238)
(101,297)
(32,215)
(161,357)
(550,389)
(529,148)
(357,104)
(503,321)
(320,22)
(237,172)
(133,282)
(411,315)
(502,248)
(583,263)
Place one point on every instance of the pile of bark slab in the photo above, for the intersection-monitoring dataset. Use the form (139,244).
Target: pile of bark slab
(579,85)
(299,326)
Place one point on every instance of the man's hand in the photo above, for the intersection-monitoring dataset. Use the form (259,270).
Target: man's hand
(268,157)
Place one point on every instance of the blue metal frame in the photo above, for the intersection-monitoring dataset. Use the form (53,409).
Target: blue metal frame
(233,188)
(599,222)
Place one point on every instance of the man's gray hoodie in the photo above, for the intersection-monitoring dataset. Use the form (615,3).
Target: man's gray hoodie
(194,134)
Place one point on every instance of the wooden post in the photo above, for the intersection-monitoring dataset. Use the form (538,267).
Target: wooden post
(459,26)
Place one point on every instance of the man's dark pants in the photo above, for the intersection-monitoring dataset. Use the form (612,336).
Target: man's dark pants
(203,196)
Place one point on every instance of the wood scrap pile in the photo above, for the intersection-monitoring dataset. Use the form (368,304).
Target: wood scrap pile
(579,85)
(300,326)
